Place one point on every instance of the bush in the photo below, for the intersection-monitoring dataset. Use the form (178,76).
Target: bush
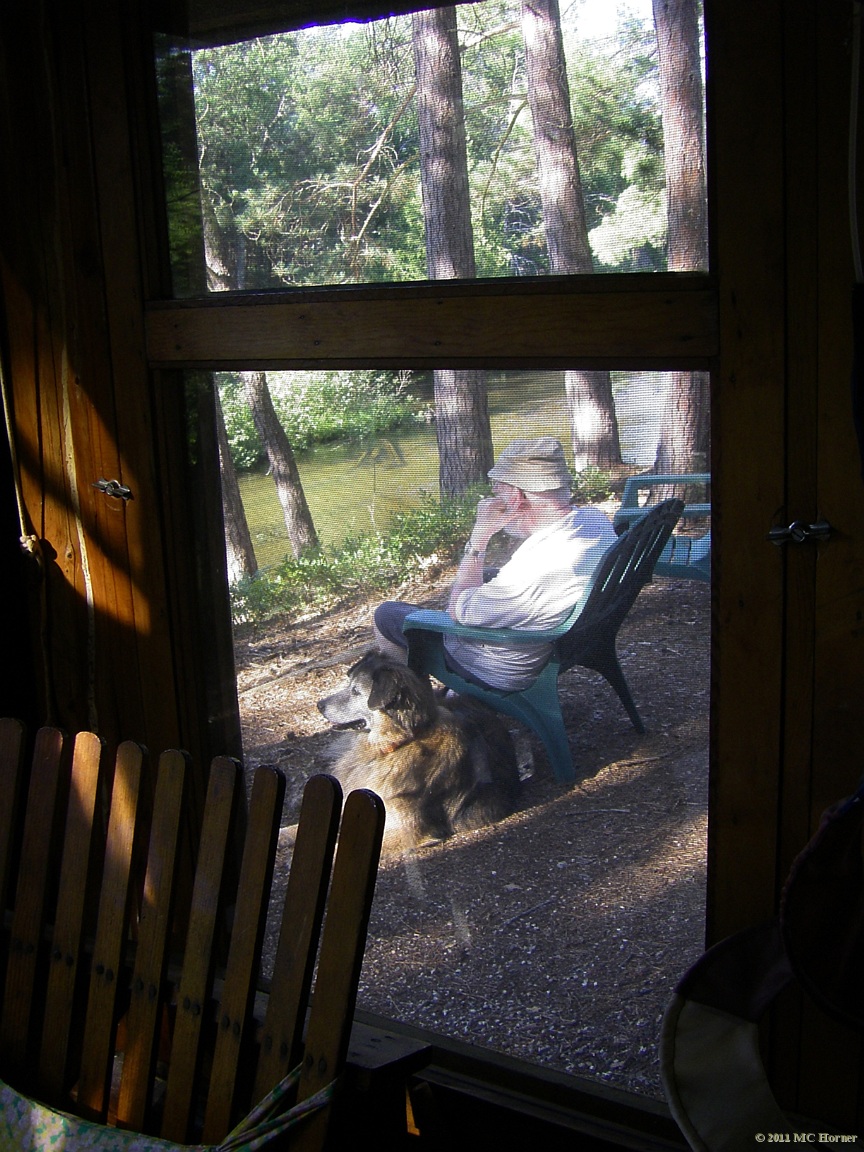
(592,486)
(315,407)
(372,562)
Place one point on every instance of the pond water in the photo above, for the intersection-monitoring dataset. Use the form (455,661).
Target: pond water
(353,488)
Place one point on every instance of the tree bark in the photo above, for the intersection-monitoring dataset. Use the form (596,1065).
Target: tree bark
(298,519)
(238,538)
(225,263)
(594,425)
(683,445)
(461,407)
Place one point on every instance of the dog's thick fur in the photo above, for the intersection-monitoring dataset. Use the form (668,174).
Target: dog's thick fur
(438,769)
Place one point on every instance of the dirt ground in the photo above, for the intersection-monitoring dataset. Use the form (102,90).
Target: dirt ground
(556,935)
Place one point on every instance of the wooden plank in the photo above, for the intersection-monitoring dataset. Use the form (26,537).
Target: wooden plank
(225,21)
(31,896)
(253,894)
(342,946)
(100,1023)
(748,443)
(193,994)
(830,1072)
(146,1002)
(87,766)
(302,914)
(35,264)
(132,574)
(802,255)
(452,326)
(11,771)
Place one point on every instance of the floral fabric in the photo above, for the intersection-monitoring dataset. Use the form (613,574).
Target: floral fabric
(27,1126)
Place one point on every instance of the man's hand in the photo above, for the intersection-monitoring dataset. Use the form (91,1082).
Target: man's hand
(493,514)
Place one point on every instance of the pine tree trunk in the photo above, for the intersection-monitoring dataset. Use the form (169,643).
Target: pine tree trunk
(298,519)
(225,264)
(461,406)
(594,425)
(595,439)
(683,445)
(238,539)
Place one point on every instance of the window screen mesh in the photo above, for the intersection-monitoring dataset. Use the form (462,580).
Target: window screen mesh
(474,141)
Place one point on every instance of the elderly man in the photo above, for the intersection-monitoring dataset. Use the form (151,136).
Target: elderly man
(537,588)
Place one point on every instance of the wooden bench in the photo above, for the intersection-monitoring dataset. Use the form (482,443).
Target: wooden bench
(102,1014)
(683,555)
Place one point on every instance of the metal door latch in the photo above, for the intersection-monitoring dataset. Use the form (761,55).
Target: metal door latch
(800,531)
(113,488)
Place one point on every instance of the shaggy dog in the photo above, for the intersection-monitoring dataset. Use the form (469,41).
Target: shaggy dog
(439,770)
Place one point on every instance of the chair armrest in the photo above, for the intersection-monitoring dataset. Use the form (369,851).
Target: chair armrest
(431,620)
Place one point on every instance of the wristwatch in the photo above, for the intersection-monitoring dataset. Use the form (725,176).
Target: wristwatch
(473,551)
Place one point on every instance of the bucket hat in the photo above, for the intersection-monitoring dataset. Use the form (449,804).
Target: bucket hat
(532,465)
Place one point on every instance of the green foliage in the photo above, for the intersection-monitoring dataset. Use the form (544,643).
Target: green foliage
(314,407)
(592,486)
(309,150)
(418,538)
(616,116)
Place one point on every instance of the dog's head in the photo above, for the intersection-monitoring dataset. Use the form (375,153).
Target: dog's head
(377,688)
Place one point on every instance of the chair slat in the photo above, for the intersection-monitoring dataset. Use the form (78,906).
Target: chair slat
(11,772)
(33,876)
(87,765)
(253,893)
(303,911)
(100,1023)
(142,1025)
(194,991)
(342,945)
(52,936)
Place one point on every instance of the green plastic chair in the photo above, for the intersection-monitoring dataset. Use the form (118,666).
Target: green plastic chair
(586,638)
(683,556)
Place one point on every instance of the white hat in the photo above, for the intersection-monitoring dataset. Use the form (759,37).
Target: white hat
(532,465)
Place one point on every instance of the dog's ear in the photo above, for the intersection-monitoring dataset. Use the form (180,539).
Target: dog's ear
(386,688)
(406,697)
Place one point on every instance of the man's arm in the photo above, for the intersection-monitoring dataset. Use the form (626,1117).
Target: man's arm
(493,514)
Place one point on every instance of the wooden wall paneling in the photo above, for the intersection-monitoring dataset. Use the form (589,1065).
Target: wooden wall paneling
(196,568)
(745,77)
(92,451)
(33,251)
(108,49)
(72,282)
(799,133)
(831,1066)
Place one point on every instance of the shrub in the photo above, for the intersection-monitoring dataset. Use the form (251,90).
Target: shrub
(592,486)
(371,562)
(315,407)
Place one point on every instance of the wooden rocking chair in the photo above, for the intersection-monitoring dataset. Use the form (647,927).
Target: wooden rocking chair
(189,1041)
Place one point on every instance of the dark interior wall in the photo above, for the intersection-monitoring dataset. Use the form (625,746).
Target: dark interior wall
(110,626)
